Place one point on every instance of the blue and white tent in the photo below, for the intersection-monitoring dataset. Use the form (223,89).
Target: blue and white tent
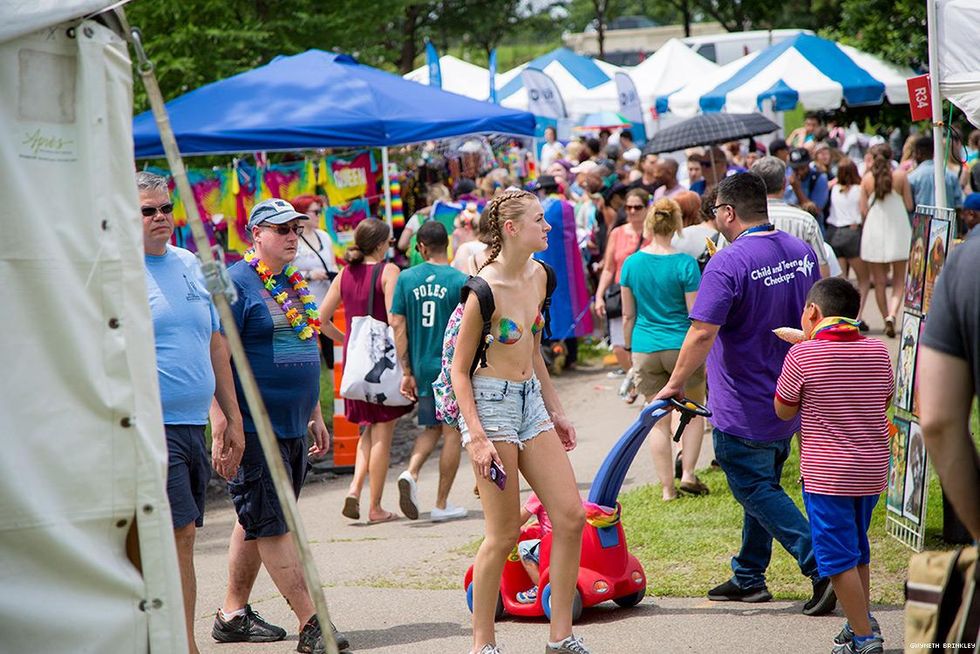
(805,69)
(587,85)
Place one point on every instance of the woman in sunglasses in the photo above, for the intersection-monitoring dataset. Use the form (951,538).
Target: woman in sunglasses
(623,241)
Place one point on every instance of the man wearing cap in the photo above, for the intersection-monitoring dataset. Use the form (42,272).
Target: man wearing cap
(779,149)
(806,187)
(971,214)
(193,367)
(278,322)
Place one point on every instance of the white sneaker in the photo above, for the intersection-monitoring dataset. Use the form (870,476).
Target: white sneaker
(408,496)
(613,374)
(571,645)
(451,512)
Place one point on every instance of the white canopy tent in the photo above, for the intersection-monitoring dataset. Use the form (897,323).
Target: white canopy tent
(587,85)
(458,76)
(670,68)
(80,421)
(958,22)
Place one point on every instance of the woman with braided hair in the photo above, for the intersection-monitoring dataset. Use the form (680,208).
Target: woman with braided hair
(511,417)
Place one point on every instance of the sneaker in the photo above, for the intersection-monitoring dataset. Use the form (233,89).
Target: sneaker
(311,638)
(571,645)
(408,496)
(874,645)
(613,374)
(451,512)
(529,596)
(246,628)
(846,633)
(863,326)
(731,592)
(824,599)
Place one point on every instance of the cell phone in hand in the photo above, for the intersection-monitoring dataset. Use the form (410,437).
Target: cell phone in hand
(497,475)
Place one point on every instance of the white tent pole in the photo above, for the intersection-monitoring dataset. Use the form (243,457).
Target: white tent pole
(938,131)
(217,283)
(387,183)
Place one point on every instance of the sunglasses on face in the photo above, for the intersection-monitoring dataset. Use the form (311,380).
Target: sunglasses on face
(283,230)
(149,212)
(635,207)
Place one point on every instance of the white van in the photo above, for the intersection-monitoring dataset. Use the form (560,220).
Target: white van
(729,46)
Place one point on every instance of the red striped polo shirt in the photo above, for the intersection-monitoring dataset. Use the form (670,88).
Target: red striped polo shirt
(843,389)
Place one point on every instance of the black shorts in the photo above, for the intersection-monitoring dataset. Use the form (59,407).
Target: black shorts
(254,493)
(845,241)
(188,473)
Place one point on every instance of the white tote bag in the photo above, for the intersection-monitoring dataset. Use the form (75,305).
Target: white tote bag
(372,372)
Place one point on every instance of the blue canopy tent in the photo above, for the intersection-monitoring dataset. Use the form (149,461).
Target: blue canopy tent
(805,69)
(318,100)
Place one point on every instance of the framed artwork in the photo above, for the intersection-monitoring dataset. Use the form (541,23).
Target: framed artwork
(915,474)
(915,378)
(896,466)
(935,257)
(907,348)
(916,276)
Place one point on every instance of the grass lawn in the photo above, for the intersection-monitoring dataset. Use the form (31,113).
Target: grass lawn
(686,545)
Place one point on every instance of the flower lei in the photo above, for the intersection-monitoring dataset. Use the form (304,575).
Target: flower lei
(305,324)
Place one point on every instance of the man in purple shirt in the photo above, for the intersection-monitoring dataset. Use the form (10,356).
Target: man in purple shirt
(754,285)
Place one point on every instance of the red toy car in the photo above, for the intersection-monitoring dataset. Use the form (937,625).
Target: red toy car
(607,570)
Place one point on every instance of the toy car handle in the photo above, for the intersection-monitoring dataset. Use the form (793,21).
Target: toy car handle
(688,410)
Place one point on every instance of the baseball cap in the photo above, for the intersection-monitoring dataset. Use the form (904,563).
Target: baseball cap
(972,202)
(275,211)
(777,145)
(544,183)
(586,166)
(799,157)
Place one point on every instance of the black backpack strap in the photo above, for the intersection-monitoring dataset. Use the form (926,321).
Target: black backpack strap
(484,294)
(550,287)
(378,267)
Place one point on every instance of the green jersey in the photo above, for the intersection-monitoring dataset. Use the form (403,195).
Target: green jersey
(427,295)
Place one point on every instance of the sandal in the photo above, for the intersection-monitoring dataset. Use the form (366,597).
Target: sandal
(352,508)
(696,488)
(890,327)
(389,517)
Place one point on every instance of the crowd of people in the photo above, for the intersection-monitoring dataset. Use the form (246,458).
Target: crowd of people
(685,269)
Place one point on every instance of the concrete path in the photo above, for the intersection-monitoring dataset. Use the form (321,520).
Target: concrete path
(397,587)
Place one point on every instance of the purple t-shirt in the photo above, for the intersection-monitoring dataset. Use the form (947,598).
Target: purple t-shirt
(754,285)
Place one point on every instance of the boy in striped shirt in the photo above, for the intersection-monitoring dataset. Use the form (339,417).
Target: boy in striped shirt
(841,383)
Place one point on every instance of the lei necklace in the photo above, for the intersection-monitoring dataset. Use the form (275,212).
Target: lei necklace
(305,324)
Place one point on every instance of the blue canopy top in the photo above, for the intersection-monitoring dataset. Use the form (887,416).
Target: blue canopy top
(320,99)
(583,69)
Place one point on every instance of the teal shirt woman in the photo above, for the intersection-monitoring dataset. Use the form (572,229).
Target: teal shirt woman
(659,286)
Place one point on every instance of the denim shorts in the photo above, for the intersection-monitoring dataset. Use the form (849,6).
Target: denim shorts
(188,473)
(254,493)
(510,412)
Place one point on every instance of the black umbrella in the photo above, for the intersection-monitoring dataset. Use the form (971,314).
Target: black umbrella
(709,129)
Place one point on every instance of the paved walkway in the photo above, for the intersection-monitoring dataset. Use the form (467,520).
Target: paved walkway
(397,587)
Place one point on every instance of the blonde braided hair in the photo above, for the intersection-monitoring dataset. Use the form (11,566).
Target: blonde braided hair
(491,219)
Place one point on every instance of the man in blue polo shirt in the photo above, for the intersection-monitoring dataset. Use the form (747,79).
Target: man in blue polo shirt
(192,366)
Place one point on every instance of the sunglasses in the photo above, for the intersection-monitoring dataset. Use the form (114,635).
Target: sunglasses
(635,207)
(283,230)
(714,209)
(149,212)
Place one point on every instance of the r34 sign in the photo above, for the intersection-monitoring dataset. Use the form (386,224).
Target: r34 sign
(920,97)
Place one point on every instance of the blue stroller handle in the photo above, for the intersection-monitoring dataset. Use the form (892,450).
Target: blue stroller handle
(609,480)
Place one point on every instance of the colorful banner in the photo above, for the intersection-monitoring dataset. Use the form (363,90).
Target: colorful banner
(341,221)
(493,76)
(349,179)
(630,106)
(432,61)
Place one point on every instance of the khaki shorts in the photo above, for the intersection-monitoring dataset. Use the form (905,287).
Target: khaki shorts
(652,370)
